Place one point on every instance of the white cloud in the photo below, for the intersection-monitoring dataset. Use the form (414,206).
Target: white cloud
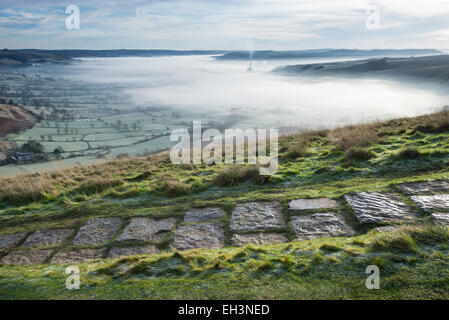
(209,24)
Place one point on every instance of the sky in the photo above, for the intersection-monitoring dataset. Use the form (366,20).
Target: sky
(227,25)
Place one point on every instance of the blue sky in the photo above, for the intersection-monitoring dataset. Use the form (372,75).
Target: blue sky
(211,24)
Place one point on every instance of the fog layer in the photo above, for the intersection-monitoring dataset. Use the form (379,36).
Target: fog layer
(200,84)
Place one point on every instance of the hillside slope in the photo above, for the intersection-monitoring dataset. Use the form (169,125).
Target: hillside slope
(13,118)
(145,228)
(433,68)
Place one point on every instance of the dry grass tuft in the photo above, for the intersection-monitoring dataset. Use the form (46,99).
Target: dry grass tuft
(235,174)
(354,136)
(174,188)
(26,189)
(98,184)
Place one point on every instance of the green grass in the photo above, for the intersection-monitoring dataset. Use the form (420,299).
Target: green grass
(368,158)
(315,269)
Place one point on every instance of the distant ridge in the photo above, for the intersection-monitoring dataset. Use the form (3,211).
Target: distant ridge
(434,68)
(322,53)
(27,57)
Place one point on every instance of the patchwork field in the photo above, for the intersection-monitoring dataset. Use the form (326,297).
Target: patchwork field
(88,121)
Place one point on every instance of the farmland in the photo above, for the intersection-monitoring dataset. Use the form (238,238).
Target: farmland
(89,122)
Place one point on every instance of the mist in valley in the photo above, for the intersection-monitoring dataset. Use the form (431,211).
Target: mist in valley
(202,85)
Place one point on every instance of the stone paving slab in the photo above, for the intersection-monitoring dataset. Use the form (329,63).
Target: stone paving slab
(320,225)
(441,218)
(312,204)
(131,251)
(239,240)
(205,235)
(78,256)
(145,229)
(417,188)
(27,257)
(435,202)
(49,237)
(98,230)
(256,216)
(9,240)
(203,215)
(376,207)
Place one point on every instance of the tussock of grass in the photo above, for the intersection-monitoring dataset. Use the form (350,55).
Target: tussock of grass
(434,123)
(407,154)
(174,188)
(407,239)
(358,154)
(98,184)
(142,176)
(298,150)
(330,248)
(354,136)
(236,174)
(22,191)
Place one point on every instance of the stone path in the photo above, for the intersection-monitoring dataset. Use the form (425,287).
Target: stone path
(97,230)
(204,235)
(203,215)
(376,207)
(9,240)
(312,204)
(239,240)
(429,203)
(424,187)
(27,257)
(256,223)
(257,216)
(145,229)
(441,218)
(320,225)
(78,256)
(47,237)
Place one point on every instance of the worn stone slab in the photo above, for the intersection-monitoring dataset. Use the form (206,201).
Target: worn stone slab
(98,230)
(321,225)
(256,216)
(27,257)
(145,229)
(78,256)
(239,240)
(434,202)
(132,251)
(204,235)
(441,218)
(312,204)
(376,207)
(49,237)
(417,188)
(203,215)
(9,240)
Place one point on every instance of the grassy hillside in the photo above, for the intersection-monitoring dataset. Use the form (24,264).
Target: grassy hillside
(434,68)
(366,157)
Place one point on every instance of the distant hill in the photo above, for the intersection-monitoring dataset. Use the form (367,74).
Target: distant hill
(123,53)
(13,118)
(26,57)
(19,58)
(434,68)
(323,53)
